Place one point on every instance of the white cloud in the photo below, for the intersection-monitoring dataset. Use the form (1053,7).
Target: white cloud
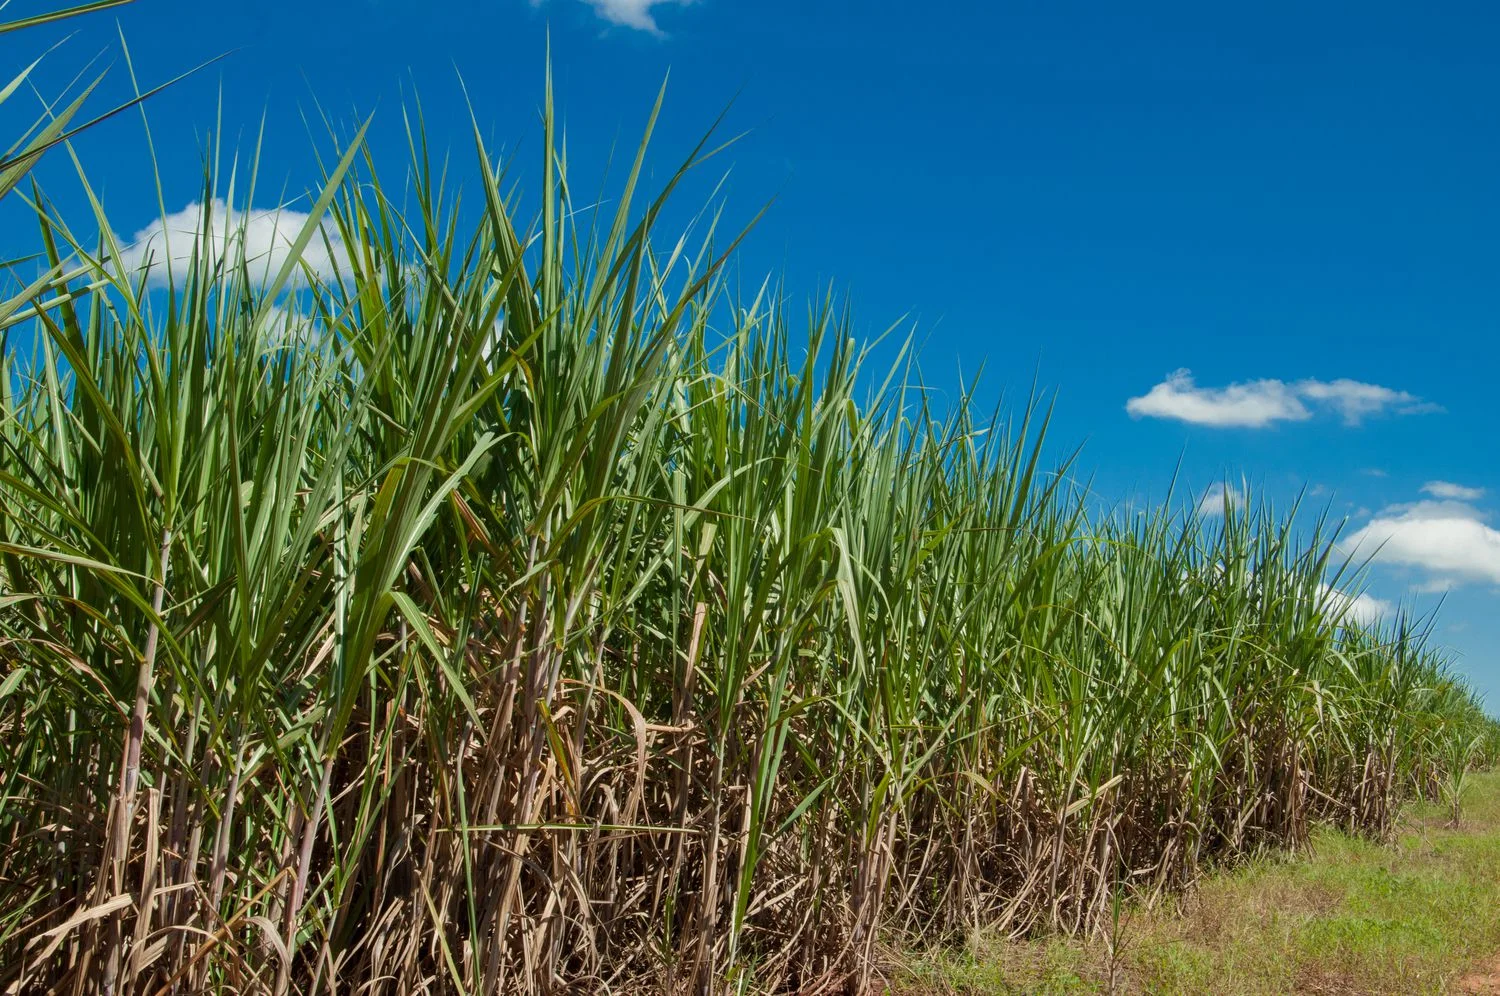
(1258,403)
(629,13)
(290,327)
(262,238)
(1364,608)
(1216,498)
(1254,404)
(1449,539)
(1452,492)
(1354,400)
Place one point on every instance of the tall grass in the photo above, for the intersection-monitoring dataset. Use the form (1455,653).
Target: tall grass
(519,609)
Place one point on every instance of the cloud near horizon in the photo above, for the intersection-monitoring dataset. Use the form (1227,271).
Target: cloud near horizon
(1219,497)
(1364,608)
(262,238)
(1258,403)
(1450,540)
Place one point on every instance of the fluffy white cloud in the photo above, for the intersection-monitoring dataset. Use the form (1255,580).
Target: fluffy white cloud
(629,13)
(1254,404)
(1364,608)
(1355,401)
(1218,497)
(262,238)
(290,327)
(1452,492)
(1449,539)
(632,13)
(1259,403)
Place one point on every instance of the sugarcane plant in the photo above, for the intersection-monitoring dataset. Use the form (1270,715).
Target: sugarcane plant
(488,596)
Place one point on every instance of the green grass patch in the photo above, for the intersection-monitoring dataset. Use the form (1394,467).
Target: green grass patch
(1415,915)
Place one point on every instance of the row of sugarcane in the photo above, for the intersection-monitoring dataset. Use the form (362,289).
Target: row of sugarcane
(486,597)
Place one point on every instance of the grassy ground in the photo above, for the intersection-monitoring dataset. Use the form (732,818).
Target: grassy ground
(1421,915)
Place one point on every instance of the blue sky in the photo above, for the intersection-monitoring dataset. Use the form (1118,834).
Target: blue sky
(1259,240)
